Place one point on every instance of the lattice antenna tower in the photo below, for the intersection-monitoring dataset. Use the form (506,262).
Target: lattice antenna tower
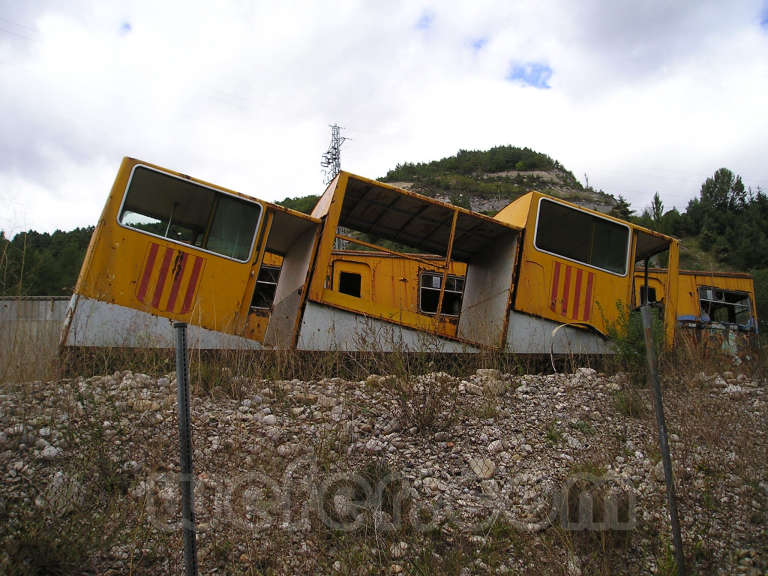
(332,158)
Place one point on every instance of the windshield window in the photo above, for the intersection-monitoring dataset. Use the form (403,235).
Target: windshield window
(583,237)
(190,213)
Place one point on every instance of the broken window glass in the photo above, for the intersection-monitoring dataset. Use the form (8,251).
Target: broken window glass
(725,307)
(266,286)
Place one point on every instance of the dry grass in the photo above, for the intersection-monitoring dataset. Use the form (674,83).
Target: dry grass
(28,351)
(41,540)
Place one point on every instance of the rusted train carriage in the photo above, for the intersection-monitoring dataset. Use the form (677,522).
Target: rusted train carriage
(419,274)
(717,309)
(168,246)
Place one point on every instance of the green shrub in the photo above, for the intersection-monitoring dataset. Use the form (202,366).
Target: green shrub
(628,342)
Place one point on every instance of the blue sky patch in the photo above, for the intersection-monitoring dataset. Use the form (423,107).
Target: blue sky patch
(125,27)
(479,43)
(425,21)
(531,74)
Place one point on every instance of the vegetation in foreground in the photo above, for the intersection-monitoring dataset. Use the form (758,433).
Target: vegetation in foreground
(350,465)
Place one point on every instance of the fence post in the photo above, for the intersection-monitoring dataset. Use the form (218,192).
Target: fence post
(653,382)
(186,479)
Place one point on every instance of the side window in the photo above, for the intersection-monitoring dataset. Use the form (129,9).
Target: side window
(651,294)
(352,278)
(582,237)
(187,212)
(349,283)
(429,294)
(724,306)
(266,285)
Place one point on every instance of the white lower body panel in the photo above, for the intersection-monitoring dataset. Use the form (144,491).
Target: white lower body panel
(95,323)
(532,335)
(333,329)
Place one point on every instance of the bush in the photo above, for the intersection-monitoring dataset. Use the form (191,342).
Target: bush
(628,342)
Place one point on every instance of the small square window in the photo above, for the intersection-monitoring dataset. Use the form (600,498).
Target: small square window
(349,283)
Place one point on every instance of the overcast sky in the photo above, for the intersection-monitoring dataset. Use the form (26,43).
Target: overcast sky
(639,96)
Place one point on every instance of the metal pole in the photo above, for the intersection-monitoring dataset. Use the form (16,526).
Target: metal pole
(645,296)
(653,382)
(185,448)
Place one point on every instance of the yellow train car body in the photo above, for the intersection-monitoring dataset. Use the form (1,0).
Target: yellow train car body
(398,289)
(577,266)
(358,299)
(418,274)
(168,247)
(719,300)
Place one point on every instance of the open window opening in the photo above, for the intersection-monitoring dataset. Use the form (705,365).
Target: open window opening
(429,294)
(266,285)
(422,234)
(183,211)
(350,283)
(582,237)
(651,248)
(404,224)
(651,293)
(725,307)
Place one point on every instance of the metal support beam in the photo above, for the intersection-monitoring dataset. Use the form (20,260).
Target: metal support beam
(653,382)
(185,448)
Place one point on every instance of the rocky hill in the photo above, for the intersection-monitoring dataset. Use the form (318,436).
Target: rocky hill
(486,181)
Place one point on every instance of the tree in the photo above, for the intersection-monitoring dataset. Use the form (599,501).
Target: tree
(622,209)
(657,209)
(724,191)
(300,203)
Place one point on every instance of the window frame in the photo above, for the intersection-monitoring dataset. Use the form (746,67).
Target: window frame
(454,277)
(359,294)
(256,230)
(713,300)
(620,224)
(279,272)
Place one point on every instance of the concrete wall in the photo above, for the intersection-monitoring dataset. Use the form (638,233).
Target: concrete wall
(29,330)
(32,316)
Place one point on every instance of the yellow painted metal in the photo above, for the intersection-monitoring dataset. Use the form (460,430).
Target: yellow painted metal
(517,212)
(329,208)
(258,318)
(448,253)
(390,288)
(560,289)
(671,290)
(689,282)
(376,248)
(130,268)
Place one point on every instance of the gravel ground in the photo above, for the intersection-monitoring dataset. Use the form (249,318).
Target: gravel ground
(487,474)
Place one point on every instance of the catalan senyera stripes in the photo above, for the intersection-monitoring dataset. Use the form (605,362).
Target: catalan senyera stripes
(568,285)
(169,279)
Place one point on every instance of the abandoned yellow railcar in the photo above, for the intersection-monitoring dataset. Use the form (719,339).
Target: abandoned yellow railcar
(419,274)
(170,247)
(707,300)
(577,269)
(429,241)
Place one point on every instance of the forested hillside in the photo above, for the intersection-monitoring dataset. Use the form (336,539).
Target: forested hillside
(725,227)
(42,264)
